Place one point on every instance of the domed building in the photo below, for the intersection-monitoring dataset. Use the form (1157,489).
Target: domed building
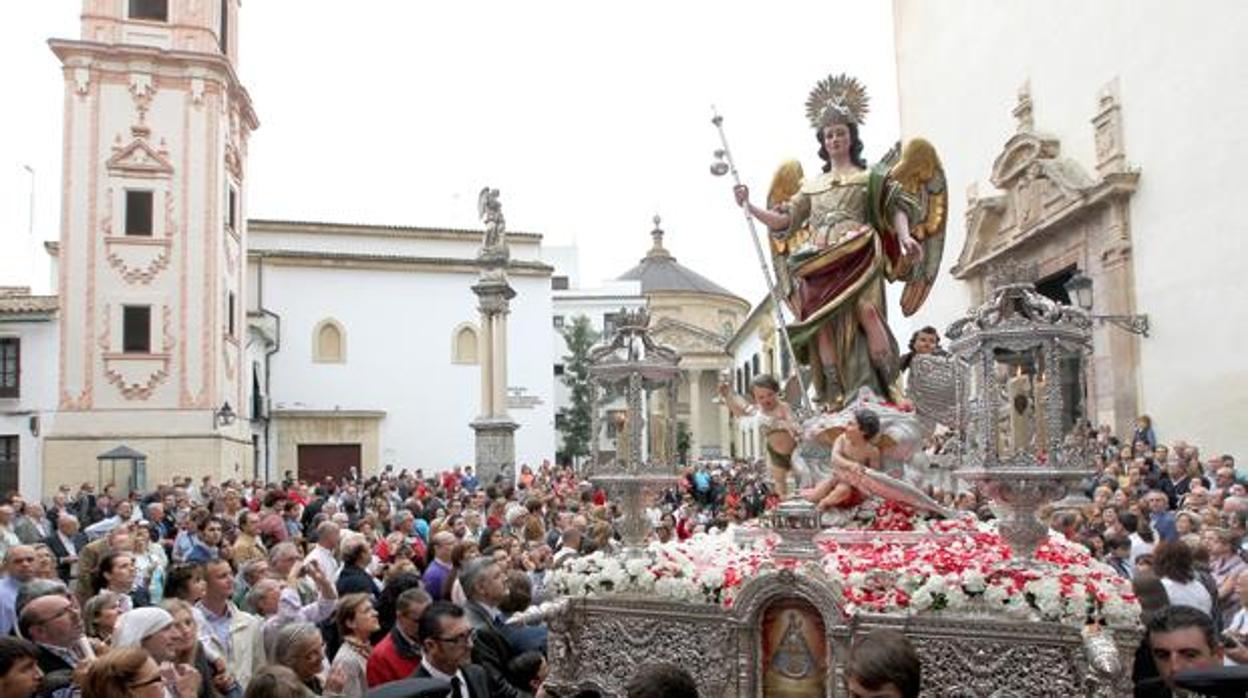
(697,317)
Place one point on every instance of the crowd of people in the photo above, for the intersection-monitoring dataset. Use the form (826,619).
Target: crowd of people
(338,587)
(297,589)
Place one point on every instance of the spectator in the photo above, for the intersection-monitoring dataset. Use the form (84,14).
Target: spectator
(130,672)
(661,681)
(300,647)
(65,544)
(883,663)
(19,671)
(1172,563)
(1182,638)
(447,640)
(226,630)
(398,654)
(99,615)
(19,568)
(357,620)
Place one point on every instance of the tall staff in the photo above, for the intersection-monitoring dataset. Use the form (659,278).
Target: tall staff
(724,165)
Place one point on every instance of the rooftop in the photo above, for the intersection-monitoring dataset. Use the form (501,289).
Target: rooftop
(659,271)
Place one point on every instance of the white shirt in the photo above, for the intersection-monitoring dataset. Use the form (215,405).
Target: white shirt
(459,674)
(326,561)
(1192,594)
(1238,625)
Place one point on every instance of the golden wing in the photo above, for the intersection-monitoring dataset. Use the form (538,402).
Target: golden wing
(920,174)
(786,182)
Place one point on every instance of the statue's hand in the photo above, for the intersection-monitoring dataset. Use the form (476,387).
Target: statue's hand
(911,248)
(742,194)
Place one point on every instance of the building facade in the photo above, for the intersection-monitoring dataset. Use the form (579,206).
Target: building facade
(695,316)
(28,350)
(600,305)
(1071,143)
(151,253)
(365,347)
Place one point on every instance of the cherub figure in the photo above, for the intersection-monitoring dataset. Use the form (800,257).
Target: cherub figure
(852,453)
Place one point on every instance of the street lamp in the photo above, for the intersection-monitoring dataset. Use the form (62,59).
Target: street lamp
(1079,287)
(225,416)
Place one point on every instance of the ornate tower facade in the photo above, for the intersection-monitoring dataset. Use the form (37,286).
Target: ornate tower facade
(152,246)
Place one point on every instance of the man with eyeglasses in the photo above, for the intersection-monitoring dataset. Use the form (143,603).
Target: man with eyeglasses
(54,624)
(447,639)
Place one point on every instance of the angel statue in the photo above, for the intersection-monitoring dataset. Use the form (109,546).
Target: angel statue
(838,237)
(494,250)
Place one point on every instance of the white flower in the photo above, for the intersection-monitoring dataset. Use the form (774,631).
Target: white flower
(921,600)
(973,581)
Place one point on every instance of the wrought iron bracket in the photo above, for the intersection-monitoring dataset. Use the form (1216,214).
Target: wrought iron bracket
(1135,324)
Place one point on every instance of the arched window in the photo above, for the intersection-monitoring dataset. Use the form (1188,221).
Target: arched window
(329,342)
(464,344)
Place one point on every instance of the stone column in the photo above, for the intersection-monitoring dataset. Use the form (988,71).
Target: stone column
(495,431)
(695,413)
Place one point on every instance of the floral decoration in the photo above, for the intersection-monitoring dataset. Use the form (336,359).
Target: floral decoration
(958,566)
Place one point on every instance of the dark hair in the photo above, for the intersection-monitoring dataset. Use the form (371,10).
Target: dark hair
(767,381)
(519,592)
(855,148)
(909,355)
(431,620)
(1175,618)
(1117,542)
(661,681)
(1173,560)
(884,657)
(12,649)
(524,667)
(98,582)
(347,607)
(868,423)
(357,553)
(275,681)
(203,524)
(178,580)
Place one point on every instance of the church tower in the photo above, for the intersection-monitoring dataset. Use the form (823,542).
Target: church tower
(152,245)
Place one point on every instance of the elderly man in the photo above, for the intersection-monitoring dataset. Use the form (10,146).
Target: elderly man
(1160,515)
(327,534)
(234,634)
(398,654)
(54,623)
(19,568)
(65,543)
(32,527)
(485,586)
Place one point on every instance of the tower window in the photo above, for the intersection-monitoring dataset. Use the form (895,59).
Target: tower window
(139,213)
(136,329)
(229,310)
(559,283)
(225,26)
(231,213)
(153,10)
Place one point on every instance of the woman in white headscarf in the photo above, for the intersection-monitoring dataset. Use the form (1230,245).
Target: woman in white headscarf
(150,628)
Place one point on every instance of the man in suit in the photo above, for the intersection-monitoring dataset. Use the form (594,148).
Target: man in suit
(90,555)
(32,527)
(65,543)
(447,639)
(485,584)
(54,623)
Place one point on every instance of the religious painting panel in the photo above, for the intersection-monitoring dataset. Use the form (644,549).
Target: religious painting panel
(794,650)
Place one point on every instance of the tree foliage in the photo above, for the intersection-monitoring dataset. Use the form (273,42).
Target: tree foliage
(580,338)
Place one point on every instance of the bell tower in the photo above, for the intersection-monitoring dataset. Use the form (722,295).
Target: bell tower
(153,243)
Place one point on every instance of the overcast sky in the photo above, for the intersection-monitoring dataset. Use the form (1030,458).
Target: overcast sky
(590,117)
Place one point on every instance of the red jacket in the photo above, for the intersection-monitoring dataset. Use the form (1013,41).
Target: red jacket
(392,659)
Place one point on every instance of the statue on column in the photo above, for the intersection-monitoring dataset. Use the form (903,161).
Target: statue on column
(494,253)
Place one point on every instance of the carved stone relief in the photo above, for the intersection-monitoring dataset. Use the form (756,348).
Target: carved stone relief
(1051,213)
